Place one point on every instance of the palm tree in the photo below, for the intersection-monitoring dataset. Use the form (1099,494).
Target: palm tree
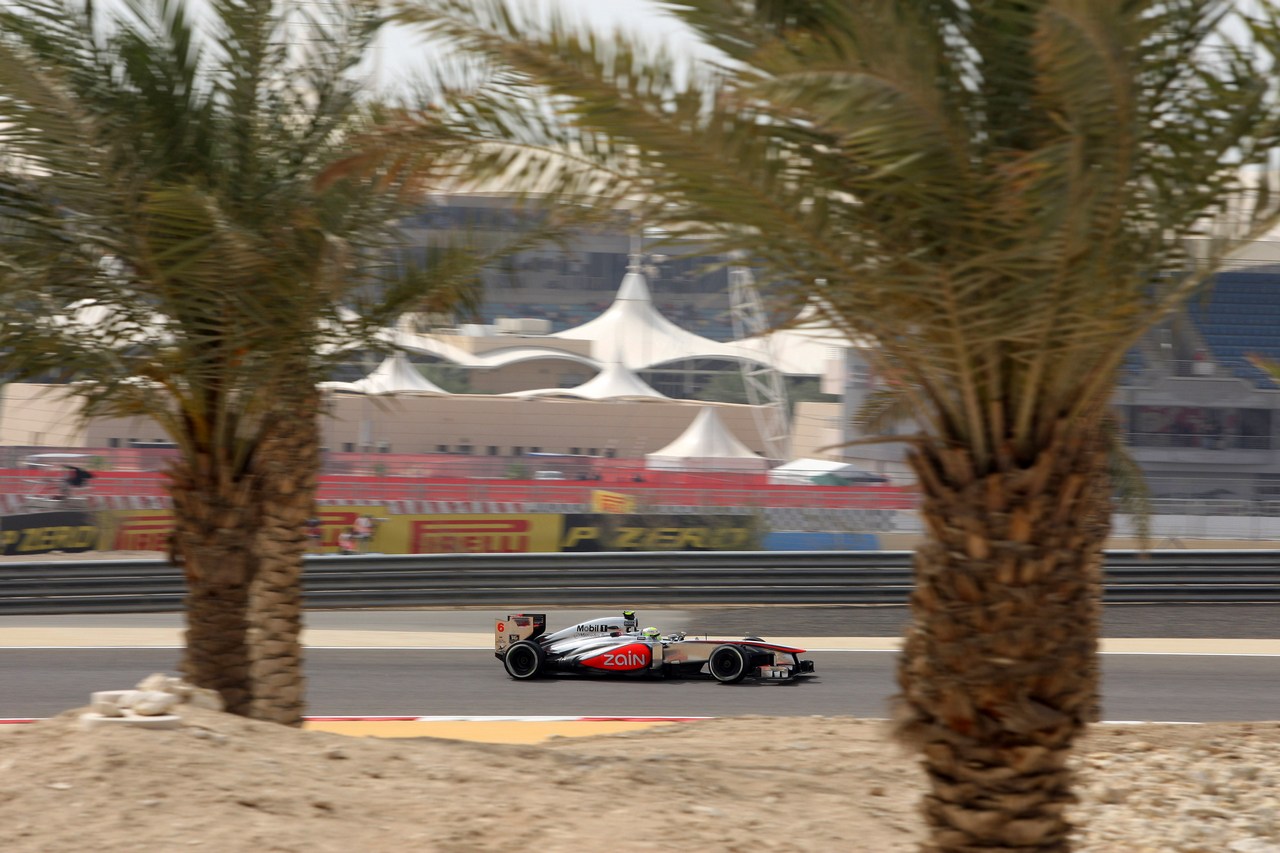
(1001,194)
(185,234)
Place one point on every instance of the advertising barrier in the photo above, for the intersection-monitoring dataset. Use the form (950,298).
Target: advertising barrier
(337,520)
(467,533)
(73,532)
(67,531)
(550,532)
(602,501)
(135,530)
(660,533)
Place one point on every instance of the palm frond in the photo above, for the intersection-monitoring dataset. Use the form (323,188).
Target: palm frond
(181,183)
(989,190)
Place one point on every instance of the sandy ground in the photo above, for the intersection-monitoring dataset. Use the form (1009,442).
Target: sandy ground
(735,784)
(226,784)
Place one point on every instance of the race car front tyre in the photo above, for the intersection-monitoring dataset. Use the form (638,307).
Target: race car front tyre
(524,660)
(728,664)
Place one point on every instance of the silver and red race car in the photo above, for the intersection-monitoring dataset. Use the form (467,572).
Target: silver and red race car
(615,645)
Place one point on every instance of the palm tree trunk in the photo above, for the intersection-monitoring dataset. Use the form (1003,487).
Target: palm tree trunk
(999,672)
(212,540)
(288,462)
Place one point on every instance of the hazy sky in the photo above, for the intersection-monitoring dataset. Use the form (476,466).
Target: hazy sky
(402,50)
(402,53)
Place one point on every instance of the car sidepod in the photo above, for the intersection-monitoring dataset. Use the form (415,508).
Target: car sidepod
(625,658)
(621,655)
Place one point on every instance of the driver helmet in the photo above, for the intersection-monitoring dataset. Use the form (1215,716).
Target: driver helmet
(651,633)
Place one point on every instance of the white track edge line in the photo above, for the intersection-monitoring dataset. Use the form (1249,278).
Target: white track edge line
(601,718)
(489,648)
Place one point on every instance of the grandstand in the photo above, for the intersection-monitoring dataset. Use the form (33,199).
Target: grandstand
(1238,317)
(1200,419)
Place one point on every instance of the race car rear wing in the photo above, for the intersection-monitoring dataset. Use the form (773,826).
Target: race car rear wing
(516,627)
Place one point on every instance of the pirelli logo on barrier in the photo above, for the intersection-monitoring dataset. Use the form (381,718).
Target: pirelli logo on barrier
(473,534)
(519,534)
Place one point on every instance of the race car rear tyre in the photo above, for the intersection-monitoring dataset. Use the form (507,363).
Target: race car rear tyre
(524,660)
(728,664)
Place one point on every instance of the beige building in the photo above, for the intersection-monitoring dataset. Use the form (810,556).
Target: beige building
(36,415)
(511,426)
(817,431)
(479,425)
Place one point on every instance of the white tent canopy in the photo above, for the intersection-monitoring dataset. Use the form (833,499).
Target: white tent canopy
(808,470)
(615,382)
(706,446)
(638,335)
(803,347)
(642,336)
(804,470)
(396,375)
(523,354)
(431,345)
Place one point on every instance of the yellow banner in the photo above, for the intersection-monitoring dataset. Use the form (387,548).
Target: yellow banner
(149,529)
(338,520)
(465,533)
(617,502)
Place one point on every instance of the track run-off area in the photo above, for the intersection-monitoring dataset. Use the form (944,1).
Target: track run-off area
(440,664)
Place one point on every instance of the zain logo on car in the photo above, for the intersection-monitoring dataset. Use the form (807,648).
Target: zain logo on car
(633,656)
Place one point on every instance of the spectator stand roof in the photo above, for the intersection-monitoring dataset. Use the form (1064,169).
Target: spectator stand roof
(395,375)
(642,336)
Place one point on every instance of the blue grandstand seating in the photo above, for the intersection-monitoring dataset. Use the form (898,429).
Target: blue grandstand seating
(1132,366)
(1239,316)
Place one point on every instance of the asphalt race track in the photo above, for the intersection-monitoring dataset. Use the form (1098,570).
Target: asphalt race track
(44,682)
(375,674)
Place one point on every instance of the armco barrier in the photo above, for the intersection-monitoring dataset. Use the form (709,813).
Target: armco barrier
(613,578)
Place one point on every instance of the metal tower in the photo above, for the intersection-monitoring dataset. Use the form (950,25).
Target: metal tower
(766,390)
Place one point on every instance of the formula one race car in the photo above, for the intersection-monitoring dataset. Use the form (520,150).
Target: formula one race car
(613,645)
